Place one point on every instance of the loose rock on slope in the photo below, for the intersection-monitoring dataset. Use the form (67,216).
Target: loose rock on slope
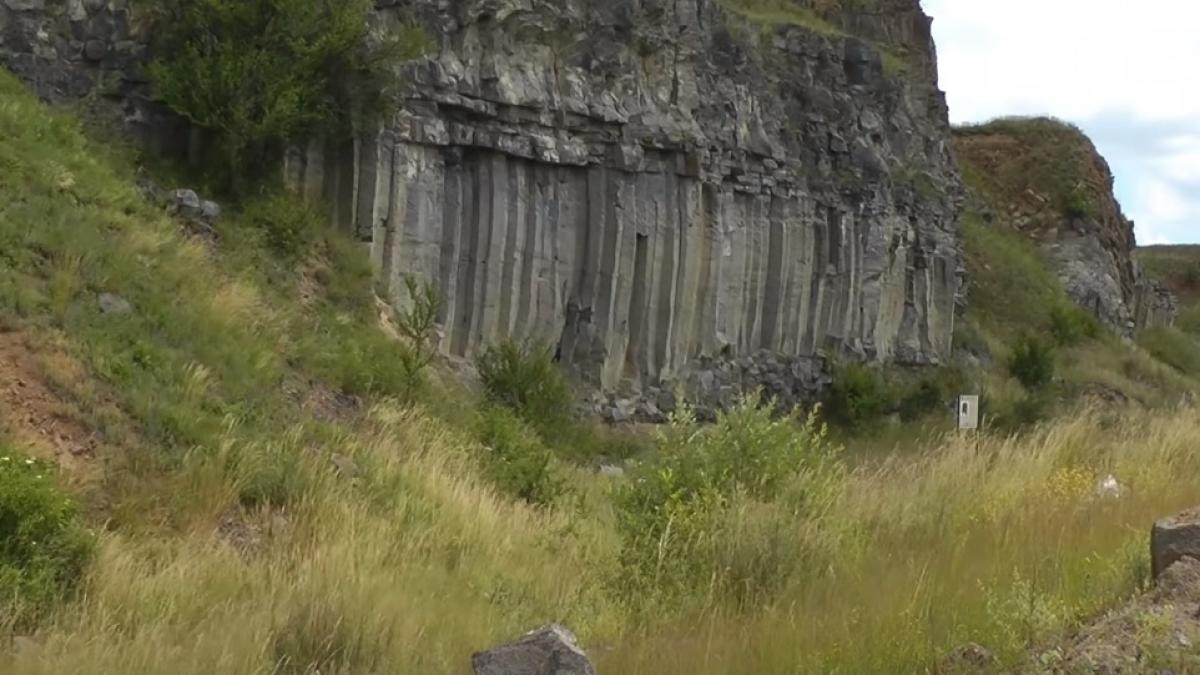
(550,650)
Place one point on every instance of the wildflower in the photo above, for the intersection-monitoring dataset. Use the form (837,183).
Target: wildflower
(29,462)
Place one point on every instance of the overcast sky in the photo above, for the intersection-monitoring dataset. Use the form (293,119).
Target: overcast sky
(1127,72)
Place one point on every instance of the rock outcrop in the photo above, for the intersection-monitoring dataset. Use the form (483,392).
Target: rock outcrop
(1174,538)
(550,650)
(645,184)
(1047,180)
(648,184)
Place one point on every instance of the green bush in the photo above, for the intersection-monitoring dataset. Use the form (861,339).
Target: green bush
(1070,325)
(262,73)
(361,360)
(1032,362)
(673,517)
(1009,415)
(525,378)
(1077,203)
(289,225)
(925,397)
(44,550)
(515,460)
(858,397)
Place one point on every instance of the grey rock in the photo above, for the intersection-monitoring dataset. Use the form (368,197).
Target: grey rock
(661,192)
(25,5)
(210,211)
(346,467)
(611,471)
(114,304)
(551,650)
(95,50)
(188,205)
(1174,538)
(969,657)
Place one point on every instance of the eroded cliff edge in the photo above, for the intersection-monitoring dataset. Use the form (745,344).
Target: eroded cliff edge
(652,186)
(1046,179)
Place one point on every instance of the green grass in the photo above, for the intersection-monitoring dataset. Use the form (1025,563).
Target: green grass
(231,542)
(813,16)
(1042,156)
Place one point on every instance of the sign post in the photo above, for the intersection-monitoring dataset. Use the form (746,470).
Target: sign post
(968,413)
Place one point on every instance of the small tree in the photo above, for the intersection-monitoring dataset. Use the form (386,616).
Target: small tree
(418,322)
(1032,362)
(525,378)
(261,73)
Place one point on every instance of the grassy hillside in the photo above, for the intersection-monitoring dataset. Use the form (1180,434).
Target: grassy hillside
(269,491)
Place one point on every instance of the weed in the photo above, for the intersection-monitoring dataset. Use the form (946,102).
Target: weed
(44,549)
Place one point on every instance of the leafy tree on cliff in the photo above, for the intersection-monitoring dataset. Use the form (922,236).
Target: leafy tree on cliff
(261,73)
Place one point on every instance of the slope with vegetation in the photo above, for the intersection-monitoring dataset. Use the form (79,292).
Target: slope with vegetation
(277,484)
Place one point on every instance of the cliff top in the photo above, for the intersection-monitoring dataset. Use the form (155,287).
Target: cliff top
(1043,171)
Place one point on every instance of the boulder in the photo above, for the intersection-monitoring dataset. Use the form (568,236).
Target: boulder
(187,204)
(550,650)
(114,304)
(1174,538)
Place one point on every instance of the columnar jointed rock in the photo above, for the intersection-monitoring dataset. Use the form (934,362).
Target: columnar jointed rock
(551,650)
(1174,538)
(646,184)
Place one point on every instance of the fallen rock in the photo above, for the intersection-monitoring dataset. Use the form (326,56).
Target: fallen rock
(969,657)
(188,205)
(345,466)
(550,650)
(611,471)
(114,304)
(1110,488)
(1174,538)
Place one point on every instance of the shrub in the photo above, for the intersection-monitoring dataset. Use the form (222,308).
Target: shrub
(1077,203)
(927,396)
(671,517)
(288,224)
(1017,413)
(1032,362)
(515,459)
(525,378)
(262,73)
(418,321)
(1070,325)
(858,397)
(44,550)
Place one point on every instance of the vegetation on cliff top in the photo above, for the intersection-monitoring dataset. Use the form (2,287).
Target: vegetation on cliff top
(256,517)
(259,74)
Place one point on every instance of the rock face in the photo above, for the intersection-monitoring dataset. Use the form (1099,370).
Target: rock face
(551,650)
(1174,538)
(647,185)
(1049,182)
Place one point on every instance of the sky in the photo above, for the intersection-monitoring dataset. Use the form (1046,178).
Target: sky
(1127,72)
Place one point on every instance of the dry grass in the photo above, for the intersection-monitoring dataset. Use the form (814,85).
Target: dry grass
(416,564)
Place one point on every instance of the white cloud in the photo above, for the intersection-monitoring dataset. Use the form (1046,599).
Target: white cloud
(1123,71)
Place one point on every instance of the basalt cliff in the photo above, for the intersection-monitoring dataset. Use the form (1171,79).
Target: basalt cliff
(666,191)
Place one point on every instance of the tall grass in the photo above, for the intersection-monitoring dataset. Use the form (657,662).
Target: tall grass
(418,563)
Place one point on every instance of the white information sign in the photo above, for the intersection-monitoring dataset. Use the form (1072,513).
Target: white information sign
(968,413)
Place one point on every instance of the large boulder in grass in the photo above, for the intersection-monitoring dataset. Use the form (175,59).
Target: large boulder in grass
(550,650)
(1175,538)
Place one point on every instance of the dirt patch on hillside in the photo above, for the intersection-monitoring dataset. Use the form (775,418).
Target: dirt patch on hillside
(32,414)
(1158,632)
